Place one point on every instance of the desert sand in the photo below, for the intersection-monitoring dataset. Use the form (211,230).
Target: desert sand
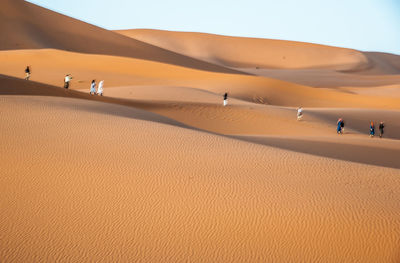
(157,170)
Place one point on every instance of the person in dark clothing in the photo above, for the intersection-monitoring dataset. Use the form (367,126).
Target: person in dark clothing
(93,88)
(339,126)
(342,126)
(27,73)
(381,126)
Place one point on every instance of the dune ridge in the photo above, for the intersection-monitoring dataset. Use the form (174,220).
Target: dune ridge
(264,53)
(28,26)
(302,63)
(268,53)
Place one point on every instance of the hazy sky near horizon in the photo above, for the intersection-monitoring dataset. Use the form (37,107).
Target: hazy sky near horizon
(368,25)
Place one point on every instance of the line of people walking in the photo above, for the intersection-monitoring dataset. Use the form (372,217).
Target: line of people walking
(340,128)
(67,80)
(340,125)
(100,89)
(92,91)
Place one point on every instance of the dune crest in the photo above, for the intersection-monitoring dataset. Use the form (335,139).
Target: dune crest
(241,52)
(302,63)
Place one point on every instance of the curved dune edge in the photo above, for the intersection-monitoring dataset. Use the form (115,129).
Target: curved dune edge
(385,155)
(252,53)
(269,125)
(302,63)
(119,71)
(242,52)
(153,197)
(28,26)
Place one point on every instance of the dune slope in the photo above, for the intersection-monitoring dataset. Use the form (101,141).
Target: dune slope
(170,194)
(28,26)
(118,71)
(262,124)
(241,52)
(302,63)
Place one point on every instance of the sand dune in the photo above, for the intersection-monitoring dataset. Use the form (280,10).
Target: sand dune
(157,170)
(387,91)
(322,78)
(383,63)
(28,26)
(118,71)
(241,52)
(262,124)
(144,201)
(357,149)
(302,63)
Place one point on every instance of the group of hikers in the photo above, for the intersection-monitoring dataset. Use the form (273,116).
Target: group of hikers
(67,80)
(340,128)
(340,125)
(99,91)
(92,90)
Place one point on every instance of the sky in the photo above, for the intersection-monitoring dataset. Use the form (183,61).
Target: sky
(367,25)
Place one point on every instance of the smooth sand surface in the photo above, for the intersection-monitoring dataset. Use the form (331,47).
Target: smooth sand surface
(302,63)
(157,170)
(264,53)
(173,194)
(241,52)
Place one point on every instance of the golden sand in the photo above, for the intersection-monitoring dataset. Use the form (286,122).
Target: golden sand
(157,170)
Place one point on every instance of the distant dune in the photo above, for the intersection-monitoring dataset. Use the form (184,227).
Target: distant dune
(157,170)
(240,52)
(303,63)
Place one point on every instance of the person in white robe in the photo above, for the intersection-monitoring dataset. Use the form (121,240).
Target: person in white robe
(100,88)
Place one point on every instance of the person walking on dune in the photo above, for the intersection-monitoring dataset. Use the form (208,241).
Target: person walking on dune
(381,126)
(371,129)
(27,73)
(100,88)
(93,87)
(299,113)
(67,79)
(225,99)
(339,126)
(342,126)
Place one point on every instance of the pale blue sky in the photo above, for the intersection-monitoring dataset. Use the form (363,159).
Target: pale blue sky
(368,25)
